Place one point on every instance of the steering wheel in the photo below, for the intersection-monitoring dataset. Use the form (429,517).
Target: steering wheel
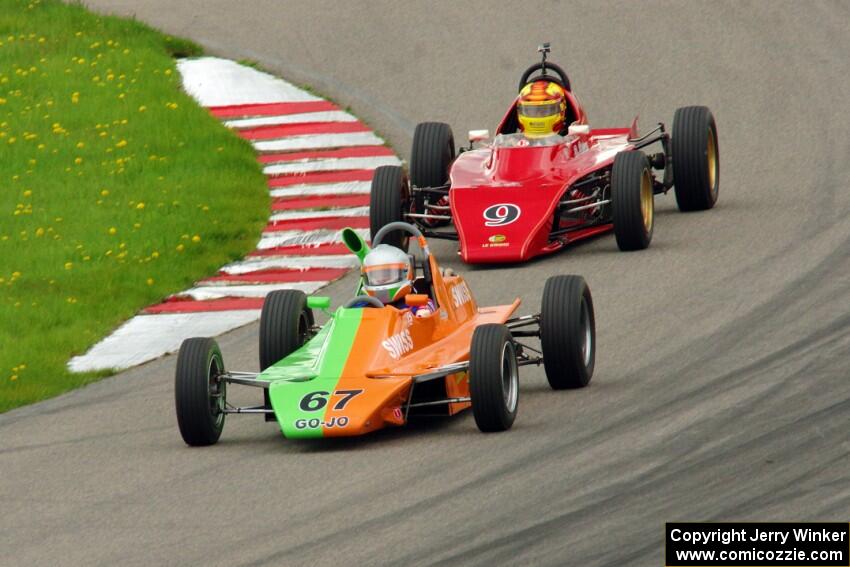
(367,299)
(398,225)
(559,78)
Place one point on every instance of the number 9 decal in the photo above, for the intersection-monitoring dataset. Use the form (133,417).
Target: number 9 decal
(501,214)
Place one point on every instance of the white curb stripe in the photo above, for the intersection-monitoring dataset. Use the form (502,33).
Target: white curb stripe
(318,141)
(345,188)
(202,293)
(221,82)
(146,337)
(302,118)
(332,164)
(291,262)
(305,238)
(299,214)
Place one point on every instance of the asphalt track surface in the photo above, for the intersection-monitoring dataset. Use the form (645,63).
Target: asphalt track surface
(722,386)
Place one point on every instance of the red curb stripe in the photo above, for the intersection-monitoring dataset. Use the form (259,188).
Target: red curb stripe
(192,306)
(330,249)
(271,109)
(321,177)
(356,151)
(281,276)
(319,201)
(318,223)
(307,128)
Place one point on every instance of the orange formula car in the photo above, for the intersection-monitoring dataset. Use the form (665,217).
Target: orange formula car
(374,365)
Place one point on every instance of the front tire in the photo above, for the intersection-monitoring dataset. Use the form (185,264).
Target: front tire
(567,332)
(696,158)
(199,392)
(388,201)
(493,378)
(632,201)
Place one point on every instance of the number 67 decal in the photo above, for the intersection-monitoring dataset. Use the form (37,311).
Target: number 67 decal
(314,401)
(501,214)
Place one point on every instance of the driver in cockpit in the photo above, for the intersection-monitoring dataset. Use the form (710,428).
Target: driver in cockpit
(541,112)
(388,276)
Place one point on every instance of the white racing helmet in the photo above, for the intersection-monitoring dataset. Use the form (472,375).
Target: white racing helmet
(387,273)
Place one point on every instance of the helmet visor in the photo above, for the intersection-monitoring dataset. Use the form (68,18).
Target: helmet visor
(385,274)
(539,110)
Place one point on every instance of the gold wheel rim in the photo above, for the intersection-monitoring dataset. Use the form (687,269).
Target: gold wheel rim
(646,201)
(712,161)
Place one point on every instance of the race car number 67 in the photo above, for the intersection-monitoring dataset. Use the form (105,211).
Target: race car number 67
(501,214)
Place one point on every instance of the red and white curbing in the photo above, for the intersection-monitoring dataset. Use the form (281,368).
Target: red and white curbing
(319,161)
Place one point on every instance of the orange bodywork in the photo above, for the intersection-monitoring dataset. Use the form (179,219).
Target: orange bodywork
(389,348)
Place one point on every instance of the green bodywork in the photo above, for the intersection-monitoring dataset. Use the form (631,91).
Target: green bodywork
(315,367)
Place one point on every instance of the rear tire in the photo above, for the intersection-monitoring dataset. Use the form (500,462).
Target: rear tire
(389,200)
(199,394)
(696,158)
(285,323)
(493,378)
(632,201)
(431,155)
(567,332)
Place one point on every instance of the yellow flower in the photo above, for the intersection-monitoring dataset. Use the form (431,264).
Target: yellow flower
(39,231)
(150,281)
(13,377)
(121,144)
(180,247)
(69,265)
(27,193)
(196,238)
(16,274)
(113,230)
(78,160)
(143,108)
(105,192)
(80,145)
(140,206)
(154,254)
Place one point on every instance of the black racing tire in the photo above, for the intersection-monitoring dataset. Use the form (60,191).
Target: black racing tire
(199,395)
(493,378)
(696,158)
(567,332)
(431,156)
(285,323)
(632,201)
(389,200)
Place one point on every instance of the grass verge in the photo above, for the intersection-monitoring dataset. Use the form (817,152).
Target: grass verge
(116,189)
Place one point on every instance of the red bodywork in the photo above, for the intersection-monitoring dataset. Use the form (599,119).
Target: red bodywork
(533,179)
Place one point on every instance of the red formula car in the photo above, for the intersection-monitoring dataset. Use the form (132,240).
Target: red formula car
(511,198)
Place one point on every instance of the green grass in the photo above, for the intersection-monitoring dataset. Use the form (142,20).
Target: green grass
(116,189)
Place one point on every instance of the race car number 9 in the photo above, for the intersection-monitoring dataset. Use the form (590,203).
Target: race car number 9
(501,214)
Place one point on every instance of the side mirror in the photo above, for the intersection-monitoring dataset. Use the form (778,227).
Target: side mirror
(478,136)
(416,299)
(578,130)
(318,302)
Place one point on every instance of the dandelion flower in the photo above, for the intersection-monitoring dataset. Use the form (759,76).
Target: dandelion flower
(69,265)
(196,238)
(150,281)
